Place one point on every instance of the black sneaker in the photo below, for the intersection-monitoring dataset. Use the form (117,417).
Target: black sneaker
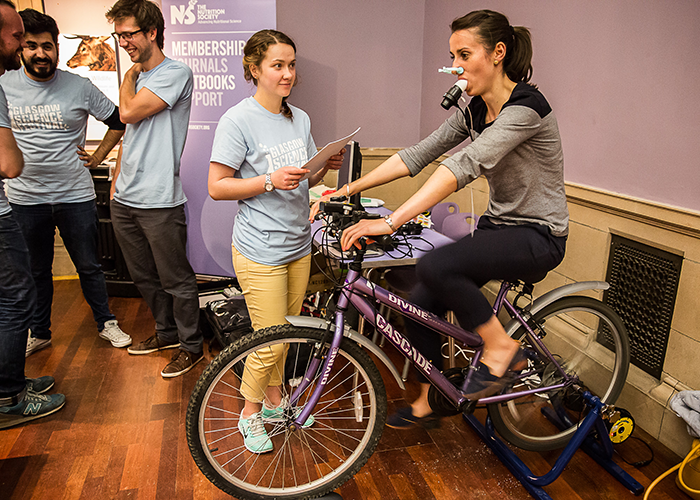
(40,385)
(404,419)
(483,383)
(151,344)
(181,362)
(32,406)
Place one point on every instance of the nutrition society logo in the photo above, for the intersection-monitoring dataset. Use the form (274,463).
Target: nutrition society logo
(201,14)
(182,14)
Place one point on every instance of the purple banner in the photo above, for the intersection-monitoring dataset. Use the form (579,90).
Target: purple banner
(209,36)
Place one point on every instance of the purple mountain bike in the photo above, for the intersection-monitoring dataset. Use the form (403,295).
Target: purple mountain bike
(331,379)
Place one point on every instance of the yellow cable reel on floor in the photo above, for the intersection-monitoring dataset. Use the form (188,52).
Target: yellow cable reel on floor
(622,428)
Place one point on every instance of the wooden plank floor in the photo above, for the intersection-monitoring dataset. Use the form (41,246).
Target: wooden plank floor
(122,434)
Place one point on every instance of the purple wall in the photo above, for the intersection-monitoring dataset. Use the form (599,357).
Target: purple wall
(621,76)
(359,65)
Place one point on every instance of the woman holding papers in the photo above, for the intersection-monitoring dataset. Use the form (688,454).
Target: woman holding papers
(259,147)
(515,144)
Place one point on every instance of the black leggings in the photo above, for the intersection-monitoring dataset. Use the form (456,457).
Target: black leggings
(449,277)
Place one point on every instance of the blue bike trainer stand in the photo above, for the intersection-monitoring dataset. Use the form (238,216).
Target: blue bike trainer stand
(597,445)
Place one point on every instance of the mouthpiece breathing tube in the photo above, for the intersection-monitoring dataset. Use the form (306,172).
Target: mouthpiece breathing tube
(451,97)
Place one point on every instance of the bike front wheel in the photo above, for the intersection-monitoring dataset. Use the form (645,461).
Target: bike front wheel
(308,462)
(588,339)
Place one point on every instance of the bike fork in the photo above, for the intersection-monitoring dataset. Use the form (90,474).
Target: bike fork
(312,373)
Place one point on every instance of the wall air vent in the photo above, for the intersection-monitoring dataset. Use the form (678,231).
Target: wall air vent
(643,287)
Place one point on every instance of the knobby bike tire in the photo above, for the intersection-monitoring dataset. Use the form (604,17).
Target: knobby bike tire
(306,463)
(570,328)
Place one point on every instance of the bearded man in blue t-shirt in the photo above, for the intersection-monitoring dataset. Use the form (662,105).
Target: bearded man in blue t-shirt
(49,109)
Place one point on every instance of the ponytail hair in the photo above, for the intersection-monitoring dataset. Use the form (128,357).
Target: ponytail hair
(254,53)
(493,27)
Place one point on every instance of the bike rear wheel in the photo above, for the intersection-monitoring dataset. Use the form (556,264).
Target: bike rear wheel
(572,329)
(306,463)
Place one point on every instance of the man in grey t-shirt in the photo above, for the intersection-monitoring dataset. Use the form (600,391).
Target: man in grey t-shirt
(49,110)
(148,205)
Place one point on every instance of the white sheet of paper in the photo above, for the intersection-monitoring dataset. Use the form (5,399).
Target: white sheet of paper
(317,162)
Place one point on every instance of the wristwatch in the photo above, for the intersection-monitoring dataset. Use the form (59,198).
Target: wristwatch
(269,186)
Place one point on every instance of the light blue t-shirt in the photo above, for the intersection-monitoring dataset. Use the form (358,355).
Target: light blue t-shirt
(49,120)
(4,122)
(270,228)
(152,148)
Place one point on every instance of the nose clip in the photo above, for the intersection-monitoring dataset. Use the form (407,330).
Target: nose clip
(452,71)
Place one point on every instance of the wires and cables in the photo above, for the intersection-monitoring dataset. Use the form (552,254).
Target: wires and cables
(639,463)
(337,216)
(404,246)
(680,467)
(469,124)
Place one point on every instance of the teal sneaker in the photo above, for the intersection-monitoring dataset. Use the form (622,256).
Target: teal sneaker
(254,434)
(31,407)
(274,415)
(40,385)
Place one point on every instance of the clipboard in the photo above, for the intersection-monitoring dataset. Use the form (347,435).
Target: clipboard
(317,162)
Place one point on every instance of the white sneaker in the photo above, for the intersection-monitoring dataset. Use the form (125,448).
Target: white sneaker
(254,434)
(34,344)
(275,415)
(114,334)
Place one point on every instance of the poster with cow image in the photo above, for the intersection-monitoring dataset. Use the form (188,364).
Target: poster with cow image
(92,57)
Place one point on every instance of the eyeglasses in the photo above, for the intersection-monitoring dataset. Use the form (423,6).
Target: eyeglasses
(127,35)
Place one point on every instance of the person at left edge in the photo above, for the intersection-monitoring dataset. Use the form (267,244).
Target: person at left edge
(21,399)
(49,110)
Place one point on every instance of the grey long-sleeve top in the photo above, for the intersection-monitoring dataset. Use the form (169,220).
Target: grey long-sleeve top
(519,153)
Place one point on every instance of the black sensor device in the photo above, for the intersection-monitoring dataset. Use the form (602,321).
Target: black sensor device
(410,228)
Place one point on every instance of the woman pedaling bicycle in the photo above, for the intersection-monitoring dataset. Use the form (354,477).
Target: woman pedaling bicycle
(522,235)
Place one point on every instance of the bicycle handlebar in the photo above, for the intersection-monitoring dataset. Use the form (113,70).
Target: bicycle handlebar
(339,215)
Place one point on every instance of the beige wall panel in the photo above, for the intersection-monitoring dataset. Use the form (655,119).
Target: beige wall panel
(586,253)
(686,316)
(647,412)
(681,358)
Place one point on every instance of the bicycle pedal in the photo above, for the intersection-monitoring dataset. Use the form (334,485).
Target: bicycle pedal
(468,408)
(438,402)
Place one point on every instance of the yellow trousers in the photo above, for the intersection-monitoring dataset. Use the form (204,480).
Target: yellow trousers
(271,293)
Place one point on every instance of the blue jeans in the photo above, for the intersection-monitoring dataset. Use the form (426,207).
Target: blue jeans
(17,301)
(77,223)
